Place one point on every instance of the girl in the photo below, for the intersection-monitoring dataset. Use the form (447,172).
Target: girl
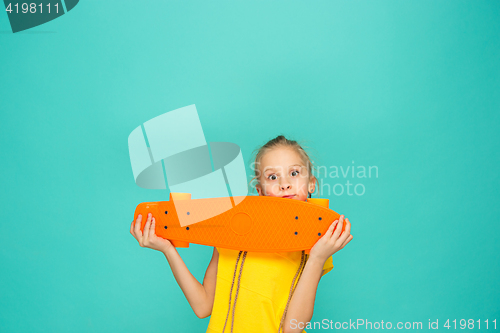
(276,291)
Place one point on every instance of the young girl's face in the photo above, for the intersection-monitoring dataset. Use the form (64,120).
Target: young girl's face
(283,174)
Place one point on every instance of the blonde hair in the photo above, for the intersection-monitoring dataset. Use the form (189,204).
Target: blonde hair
(278,142)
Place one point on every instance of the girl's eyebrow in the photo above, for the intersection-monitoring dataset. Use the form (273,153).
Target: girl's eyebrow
(273,169)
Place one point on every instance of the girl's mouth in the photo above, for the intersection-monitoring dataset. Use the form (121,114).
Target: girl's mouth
(288,196)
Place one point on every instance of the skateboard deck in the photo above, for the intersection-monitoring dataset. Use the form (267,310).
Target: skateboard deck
(256,223)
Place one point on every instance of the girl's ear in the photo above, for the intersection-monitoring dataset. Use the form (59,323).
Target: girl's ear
(312,184)
(259,189)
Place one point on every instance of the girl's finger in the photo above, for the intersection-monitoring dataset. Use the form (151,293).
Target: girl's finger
(346,232)
(152,232)
(329,232)
(337,231)
(133,225)
(346,241)
(137,227)
(145,232)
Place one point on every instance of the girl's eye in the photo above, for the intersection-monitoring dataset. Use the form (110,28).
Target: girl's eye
(272,177)
(295,173)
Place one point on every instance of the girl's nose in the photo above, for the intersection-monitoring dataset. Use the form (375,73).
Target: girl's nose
(285,187)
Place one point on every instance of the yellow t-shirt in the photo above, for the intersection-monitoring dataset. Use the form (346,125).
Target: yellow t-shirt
(264,288)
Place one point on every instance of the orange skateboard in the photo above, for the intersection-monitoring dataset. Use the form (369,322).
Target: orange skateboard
(256,223)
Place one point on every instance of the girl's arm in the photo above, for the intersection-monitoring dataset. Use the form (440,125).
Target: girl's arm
(200,296)
(301,306)
(300,309)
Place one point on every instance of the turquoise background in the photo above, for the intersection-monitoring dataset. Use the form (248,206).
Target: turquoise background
(411,87)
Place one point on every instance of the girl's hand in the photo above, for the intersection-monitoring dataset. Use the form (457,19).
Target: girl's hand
(149,238)
(332,241)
